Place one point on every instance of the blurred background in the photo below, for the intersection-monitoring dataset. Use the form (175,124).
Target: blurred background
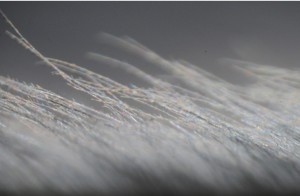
(202,33)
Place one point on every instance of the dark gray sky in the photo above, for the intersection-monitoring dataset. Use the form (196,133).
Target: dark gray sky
(199,32)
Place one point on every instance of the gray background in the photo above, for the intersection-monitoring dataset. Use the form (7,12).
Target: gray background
(202,33)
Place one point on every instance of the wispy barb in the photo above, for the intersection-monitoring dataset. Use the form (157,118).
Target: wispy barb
(196,131)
